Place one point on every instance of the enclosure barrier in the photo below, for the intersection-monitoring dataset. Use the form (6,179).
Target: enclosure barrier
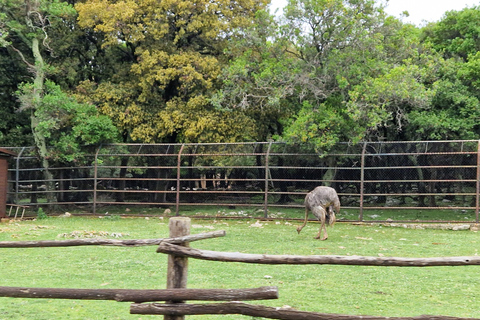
(409,175)
(176,293)
(316,259)
(132,295)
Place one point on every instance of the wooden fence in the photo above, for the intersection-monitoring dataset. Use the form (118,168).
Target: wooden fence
(175,308)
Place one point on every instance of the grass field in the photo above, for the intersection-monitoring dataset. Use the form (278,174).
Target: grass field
(356,290)
(346,214)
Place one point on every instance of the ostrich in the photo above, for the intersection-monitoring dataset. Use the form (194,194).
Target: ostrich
(323,202)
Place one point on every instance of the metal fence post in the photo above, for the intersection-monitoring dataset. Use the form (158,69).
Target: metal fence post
(362,180)
(267,171)
(95,179)
(179,165)
(477,198)
(17,175)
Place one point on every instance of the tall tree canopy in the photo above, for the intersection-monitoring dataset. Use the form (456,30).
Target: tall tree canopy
(25,27)
(212,71)
(342,70)
(173,54)
(298,72)
(454,112)
(14,126)
(260,78)
(457,34)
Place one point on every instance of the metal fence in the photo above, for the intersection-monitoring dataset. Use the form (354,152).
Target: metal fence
(440,175)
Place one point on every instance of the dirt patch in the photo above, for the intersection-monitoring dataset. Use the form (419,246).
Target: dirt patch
(436,226)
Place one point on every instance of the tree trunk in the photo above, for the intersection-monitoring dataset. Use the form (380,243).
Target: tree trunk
(40,142)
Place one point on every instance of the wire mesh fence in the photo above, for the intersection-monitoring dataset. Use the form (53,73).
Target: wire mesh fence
(421,175)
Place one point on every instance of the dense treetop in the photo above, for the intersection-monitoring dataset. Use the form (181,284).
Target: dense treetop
(83,72)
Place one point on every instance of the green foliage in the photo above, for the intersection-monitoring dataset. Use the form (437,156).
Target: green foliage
(41,215)
(457,34)
(14,126)
(258,80)
(388,100)
(3,32)
(31,20)
(337,52)
(58,9)
(317,78)
(469,73)
(175,52)
(386,82)
(324,125)
(203,71)
(68,125)
(454,109)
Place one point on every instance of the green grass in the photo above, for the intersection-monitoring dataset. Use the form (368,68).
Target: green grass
(356,290)
(346,214)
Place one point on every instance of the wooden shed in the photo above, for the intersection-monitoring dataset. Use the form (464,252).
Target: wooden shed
(4,155)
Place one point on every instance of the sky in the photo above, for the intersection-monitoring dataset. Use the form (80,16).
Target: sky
(419,10)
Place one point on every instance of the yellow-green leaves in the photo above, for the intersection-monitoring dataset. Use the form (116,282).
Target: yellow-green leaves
(175,49)
(109,18)
(188,72)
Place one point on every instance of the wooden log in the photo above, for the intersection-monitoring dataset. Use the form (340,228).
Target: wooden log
(177,268)
(260,311)
(132,295)
(109,242)
(316,259)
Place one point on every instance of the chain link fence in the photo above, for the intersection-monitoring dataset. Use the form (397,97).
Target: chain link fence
(421,175)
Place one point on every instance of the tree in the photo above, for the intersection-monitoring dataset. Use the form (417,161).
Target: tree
(369,73)
(338,44)
(29,21)
(259,79)
(455,108)
(292,76)
(173,56)
(383,105)
(68,126)
(14,126)
(55,118)
(456,34)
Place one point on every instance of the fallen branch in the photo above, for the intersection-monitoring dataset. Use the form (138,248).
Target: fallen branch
(259,311)
(131,295)
(315,259)
(109,242)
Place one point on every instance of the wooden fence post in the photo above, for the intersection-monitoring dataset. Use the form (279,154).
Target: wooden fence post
(177,266)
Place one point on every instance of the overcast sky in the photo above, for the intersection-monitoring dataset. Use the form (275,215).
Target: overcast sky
(419,10)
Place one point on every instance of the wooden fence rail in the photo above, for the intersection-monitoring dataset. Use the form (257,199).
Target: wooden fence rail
(109,242)
(176,293)
(316,259)
(260,311)
(132,295)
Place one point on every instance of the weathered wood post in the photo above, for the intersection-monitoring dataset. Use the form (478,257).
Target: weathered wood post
(177,266)
(4,155)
